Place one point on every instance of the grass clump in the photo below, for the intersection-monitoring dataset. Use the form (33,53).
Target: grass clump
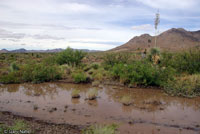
(14,67)
(101,129)
(75,93)
(80,77)
(126,100)
(19,126)
(92,94)
(186,86)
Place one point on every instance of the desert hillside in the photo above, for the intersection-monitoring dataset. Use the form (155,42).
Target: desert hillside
(172,40)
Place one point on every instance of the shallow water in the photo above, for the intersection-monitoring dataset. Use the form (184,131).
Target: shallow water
(152,111)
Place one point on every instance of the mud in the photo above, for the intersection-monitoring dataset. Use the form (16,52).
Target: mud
(152,111)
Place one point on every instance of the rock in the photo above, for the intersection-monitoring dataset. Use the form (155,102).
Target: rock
(35,107)
(156,103)
(52,109)
(66,107)
(76,96)
(36,94)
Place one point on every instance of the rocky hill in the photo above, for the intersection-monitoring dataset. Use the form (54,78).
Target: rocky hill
(172,40)
(22,50)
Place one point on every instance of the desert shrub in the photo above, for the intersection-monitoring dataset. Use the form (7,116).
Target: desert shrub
(70,57)
(14,67)
(141,73)
(95,66)
(188,86)
(38,73)
(101,129)
(99,74)
(2,57)
(11,78)
(116,58)
(51,60)
(183,62)
(80,77)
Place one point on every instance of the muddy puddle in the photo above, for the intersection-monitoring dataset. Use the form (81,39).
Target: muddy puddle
(152,111)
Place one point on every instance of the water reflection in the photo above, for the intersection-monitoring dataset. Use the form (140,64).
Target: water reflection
(75,100)
(147,100)
(93,103)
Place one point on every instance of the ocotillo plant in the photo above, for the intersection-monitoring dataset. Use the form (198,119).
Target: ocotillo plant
(157,21)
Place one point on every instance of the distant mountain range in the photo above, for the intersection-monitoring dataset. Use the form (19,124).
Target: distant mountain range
(22,50)
(171,40)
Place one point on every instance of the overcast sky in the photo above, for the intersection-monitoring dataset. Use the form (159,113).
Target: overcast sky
(89,24)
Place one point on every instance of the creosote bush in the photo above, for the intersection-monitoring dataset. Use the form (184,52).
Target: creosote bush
(183,62)
(70,57)
(38,73)
(187,86)
(141,73)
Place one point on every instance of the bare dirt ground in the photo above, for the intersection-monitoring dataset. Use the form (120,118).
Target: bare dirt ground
(38,126)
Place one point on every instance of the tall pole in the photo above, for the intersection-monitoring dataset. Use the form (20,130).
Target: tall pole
(157,21)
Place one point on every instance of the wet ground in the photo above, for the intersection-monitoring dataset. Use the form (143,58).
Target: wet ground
(152,111)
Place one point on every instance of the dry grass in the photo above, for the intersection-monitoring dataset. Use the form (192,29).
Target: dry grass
(92,94)
(75,93)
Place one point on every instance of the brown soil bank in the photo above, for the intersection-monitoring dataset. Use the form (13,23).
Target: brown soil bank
(39,127)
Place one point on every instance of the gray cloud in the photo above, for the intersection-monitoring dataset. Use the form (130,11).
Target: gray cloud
(37,36)
(4,34)
(115,43)
(8,34)
(44,26)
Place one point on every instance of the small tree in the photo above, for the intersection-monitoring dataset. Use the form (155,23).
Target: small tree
(70,57)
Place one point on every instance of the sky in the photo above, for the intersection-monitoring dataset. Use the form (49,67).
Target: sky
(89,24)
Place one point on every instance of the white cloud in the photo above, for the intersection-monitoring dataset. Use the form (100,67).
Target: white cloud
(94,24)
(170,4)
(145,27)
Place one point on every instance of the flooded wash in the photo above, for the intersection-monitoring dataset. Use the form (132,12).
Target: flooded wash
(151,110)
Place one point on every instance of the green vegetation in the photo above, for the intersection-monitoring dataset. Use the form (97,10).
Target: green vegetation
(19,127)
(188,86)
(161,69)
(14,67)
(126,100)
(75,93)
(70,57)
(183,62)
(101,129)
(92,94)
(80,77)
(141,73)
